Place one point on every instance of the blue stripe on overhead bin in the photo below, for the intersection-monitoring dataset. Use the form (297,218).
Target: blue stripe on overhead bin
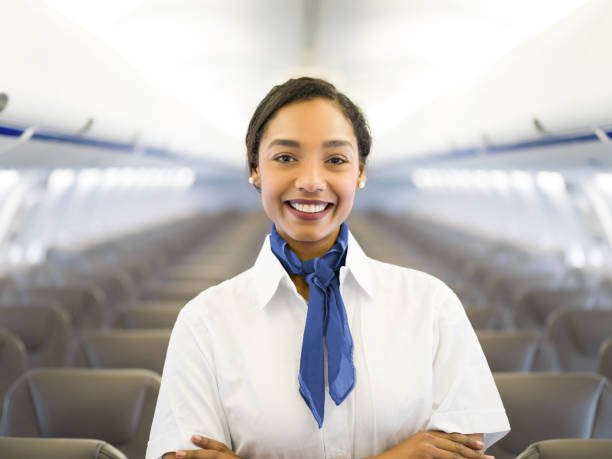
(543,141)
(10,131)
(55,137)
(546,141)
(52,136)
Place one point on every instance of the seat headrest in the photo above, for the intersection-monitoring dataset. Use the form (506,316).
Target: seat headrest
(85,403)
(542,406)
(569,448)
(58,448)
(33,324)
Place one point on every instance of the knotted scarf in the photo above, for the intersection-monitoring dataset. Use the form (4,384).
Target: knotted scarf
(326,318)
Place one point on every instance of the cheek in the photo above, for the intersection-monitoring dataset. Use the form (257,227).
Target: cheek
(270,198)
(347,193)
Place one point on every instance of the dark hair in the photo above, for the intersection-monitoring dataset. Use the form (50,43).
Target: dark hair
(295,90)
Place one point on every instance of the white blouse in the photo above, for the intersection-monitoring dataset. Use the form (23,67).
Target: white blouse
(231,371)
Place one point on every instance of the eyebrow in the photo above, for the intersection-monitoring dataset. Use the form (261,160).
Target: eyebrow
(296,144)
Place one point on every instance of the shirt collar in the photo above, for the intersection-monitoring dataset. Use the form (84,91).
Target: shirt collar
(269,272)
(359,266)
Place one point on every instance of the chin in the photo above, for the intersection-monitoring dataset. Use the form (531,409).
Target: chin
(308,234)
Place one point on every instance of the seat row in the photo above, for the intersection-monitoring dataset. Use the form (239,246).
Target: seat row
(63,448)
(115,266)
(573,340)
(523,283)
(173,262)
(505,351)
(116,406)
(40,337)
(47,337)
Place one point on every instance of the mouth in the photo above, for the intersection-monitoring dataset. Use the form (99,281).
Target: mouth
(308,209)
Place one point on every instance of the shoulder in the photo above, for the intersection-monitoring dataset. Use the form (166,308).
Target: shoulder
(221,299)
(411,285)
(413,289)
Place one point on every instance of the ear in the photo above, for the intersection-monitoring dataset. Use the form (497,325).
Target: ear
(361,178)
(256,178)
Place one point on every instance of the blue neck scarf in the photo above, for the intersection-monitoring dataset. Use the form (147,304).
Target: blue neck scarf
(326,318)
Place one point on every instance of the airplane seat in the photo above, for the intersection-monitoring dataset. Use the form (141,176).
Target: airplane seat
(543,406)
(569,448)
(44,329)
(147,317)
(114,283)
(604,294)
(115,406)
(84,303)
(58,448)
(504,284)
(153,304)
(13,360)
(8,289)
(576,337)
(516,351)
(175,290)
(121,349)
(604,361)
(535,305)
(486,318)
(472,297)
(85,269)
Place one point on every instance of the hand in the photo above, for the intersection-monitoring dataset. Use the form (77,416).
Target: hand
(438,445)
(210,449)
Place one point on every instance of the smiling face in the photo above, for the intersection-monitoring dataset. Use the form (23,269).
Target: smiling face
(308,173)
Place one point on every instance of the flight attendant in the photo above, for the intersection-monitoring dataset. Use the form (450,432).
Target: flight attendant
(319,351)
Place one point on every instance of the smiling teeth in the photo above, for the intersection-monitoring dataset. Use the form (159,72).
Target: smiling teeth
(308,208)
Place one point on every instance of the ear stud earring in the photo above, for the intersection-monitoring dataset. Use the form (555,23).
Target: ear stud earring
(251,180)
(362,184)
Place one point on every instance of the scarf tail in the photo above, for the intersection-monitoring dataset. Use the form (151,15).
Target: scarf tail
(326,316)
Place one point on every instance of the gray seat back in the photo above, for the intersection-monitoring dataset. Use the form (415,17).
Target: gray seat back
(534,306)
(122,349)
(13,360)
(147,317)
(576,336)
(569,448)
(43,329)
(84,304)
(483,318)
(58,448)
(542,406)
(175,290)
(516,351)
(113,405)
(604,366)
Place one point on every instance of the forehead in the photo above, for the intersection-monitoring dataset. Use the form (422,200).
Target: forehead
(316,119)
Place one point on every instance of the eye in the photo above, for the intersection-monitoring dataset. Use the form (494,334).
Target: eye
(284,158)
(337,160)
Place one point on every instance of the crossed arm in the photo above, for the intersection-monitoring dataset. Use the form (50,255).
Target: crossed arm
(422,445)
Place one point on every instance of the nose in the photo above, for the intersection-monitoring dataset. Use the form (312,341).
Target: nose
(311,177)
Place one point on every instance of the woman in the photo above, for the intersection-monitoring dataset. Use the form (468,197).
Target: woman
(317,350)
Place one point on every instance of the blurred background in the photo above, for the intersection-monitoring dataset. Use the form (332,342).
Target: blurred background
(123,178)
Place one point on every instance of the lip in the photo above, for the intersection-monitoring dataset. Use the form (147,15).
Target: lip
(305,215)
(307,201)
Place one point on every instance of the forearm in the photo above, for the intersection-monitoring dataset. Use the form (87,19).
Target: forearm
(424,444)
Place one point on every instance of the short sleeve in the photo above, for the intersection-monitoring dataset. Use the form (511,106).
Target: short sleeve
(188,401)
(465,397)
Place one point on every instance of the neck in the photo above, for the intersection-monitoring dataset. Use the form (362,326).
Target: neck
(301,286)
(307,250)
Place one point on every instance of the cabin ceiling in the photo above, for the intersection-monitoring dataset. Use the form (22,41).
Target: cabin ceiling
(391,56)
